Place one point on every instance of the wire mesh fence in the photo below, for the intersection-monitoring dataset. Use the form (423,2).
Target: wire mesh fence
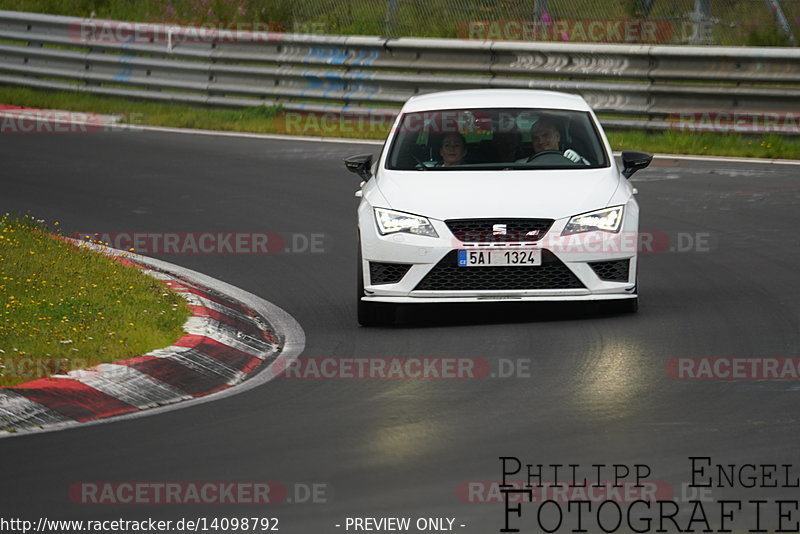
(717,22)
(710,22)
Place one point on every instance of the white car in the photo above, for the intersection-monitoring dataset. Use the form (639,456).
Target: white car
(495,195)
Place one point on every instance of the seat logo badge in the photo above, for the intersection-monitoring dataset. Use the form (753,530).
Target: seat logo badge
(532,233)
(499,229)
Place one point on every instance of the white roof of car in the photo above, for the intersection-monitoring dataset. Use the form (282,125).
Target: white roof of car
(495,98)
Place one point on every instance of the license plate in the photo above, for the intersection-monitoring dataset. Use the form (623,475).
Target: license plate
(500,258)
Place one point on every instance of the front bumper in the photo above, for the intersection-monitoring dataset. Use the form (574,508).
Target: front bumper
(571,258)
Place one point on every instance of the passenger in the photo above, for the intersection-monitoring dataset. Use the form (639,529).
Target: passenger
(453,150)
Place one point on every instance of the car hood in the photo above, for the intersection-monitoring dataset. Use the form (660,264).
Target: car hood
(551,194)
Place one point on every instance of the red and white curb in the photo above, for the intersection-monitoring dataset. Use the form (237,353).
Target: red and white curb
(233,338)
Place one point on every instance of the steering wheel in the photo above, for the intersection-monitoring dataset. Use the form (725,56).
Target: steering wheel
(544,153)
(420,166)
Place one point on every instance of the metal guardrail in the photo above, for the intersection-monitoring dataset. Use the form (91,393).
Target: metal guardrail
(630,86)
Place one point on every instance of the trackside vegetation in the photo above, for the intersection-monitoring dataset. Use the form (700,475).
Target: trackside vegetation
(65,307)
(275,120)
(732,22)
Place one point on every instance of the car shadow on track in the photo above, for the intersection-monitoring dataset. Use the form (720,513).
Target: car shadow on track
(436,315)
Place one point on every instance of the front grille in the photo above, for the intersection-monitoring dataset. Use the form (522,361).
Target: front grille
(447,276)
(387,273)
(499,230)
(612,271)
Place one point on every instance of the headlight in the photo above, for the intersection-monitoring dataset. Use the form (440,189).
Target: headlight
(606,220)
(390,222)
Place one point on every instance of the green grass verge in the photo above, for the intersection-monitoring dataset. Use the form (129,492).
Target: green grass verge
(263,119)
(708,144)
(68,308)
(274,120)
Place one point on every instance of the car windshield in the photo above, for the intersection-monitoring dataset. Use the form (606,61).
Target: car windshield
(495,138)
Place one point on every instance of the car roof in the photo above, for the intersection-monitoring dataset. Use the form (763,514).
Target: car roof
(495,98)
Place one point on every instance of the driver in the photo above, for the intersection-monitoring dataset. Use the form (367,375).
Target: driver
(545,136)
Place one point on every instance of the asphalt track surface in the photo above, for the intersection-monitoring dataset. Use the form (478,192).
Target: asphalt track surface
(597,390)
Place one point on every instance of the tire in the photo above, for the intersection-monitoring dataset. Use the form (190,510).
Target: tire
(375,313)
(632,305)
(629,305)
(371,313)
(624,305)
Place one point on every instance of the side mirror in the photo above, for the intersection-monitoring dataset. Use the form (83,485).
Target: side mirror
(360,165)
(633,161)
